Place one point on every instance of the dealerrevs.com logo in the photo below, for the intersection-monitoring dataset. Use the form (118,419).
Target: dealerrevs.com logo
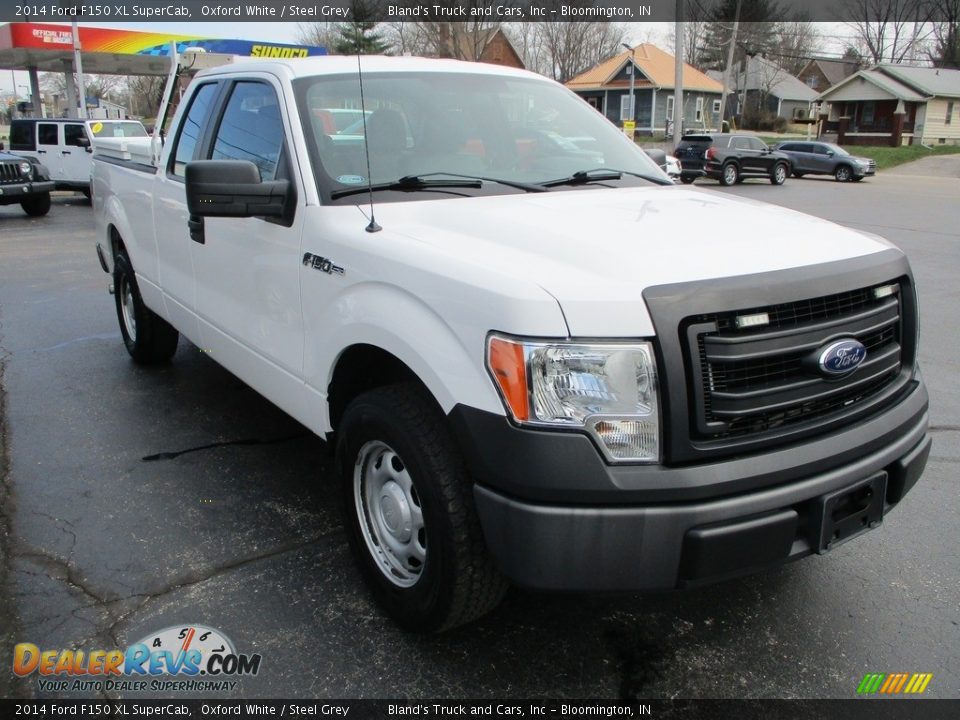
(181,657)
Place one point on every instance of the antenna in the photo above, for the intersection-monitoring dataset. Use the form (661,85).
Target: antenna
(372,227)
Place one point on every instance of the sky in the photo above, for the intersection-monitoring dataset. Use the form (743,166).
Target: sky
(287,32)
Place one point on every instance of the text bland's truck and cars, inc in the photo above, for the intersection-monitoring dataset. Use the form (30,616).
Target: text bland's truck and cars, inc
(540,362)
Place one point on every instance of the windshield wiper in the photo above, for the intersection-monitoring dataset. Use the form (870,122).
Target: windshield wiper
(407,183)
(529,187)
(581,177)
(420,182)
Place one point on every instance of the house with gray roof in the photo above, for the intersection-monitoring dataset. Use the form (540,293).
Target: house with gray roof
(760,87)
(893,105)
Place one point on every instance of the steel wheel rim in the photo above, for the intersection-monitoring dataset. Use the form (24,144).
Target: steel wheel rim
(781,173)
(389,514)
(730,174)
(127,309)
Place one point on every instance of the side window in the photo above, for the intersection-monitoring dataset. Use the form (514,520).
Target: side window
(21,136)
(72,133)
(47,134)
(756,144)
(739,143)
(251,128)
(192,126)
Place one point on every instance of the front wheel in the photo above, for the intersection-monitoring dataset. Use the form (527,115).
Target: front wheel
(779,174)
(842,173)
(408,506)
(148,337)
(730,175)
(36,206)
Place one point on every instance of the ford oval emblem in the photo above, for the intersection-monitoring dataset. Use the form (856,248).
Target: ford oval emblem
(842,357)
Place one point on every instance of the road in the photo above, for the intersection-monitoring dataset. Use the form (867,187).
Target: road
(137,499)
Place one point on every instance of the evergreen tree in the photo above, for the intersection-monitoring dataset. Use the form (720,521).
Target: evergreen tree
(359,36)
(756,34)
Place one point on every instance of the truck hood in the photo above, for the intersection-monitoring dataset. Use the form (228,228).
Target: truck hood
(596,250)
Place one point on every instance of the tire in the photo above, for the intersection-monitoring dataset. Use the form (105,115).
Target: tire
(842,173)
(857,179)
(432,572)
(798,175)
(87,193)
(687,180)
(36,206)
(729,175)
(779,174)
(148,337)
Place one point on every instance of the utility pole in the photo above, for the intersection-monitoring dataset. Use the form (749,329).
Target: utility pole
(633,74)
(726,71)
(678,77)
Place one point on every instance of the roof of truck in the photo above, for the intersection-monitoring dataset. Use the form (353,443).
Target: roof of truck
(347,64)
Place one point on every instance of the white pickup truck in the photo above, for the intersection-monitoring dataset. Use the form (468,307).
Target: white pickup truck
(537,360)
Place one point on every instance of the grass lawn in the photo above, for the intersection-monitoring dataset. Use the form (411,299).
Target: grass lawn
(888,157)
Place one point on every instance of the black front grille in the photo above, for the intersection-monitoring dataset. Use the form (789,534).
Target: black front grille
(756,380)
(10,172)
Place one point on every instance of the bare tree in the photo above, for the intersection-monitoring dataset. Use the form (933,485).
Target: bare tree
(318,34)
(794,43)
(101,87)
(946,30)
(144,93)
(527,40)
(575,46)
(891,30)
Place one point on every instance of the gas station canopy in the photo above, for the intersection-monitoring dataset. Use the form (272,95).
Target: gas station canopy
(109,51)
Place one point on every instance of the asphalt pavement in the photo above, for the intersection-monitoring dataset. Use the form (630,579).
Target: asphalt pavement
(137,499)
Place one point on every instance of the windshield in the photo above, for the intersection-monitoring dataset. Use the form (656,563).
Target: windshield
(421,123)
(117,129)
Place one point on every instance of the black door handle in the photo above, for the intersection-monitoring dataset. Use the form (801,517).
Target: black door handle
(195,225)
(64,152)
(41,152)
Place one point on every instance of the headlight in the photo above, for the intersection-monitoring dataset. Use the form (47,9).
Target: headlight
(607,389)
(26,168)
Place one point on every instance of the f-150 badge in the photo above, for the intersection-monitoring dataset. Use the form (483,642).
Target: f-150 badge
(321,263)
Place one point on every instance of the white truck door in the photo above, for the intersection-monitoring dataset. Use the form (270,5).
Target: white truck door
(49,139)
(174,262)
(74,158)
(248,288)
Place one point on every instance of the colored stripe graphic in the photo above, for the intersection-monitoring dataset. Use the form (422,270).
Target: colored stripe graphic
(894,683)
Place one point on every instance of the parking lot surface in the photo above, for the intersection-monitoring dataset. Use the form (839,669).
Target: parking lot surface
(136,499)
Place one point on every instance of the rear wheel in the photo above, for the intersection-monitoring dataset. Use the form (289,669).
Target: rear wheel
(729,175)
(36,206)
(779,174)
(148,337)
(408,507)
(842,173)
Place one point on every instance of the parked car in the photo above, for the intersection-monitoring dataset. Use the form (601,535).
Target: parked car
(64,146)
(25,182)
(668,163)
(716,387)
(730,159)
(819,158)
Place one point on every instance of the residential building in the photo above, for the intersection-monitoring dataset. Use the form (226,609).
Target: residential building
(759,88)
(606,87)
(819,73)
(894,105)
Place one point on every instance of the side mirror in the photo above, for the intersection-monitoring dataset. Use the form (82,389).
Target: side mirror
(233,188)
(830,153)
(658,156)
(84,142)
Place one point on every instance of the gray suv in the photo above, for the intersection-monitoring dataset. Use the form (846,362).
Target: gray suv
(820,158)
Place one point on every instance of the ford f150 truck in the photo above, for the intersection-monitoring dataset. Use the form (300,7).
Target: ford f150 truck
(536,359)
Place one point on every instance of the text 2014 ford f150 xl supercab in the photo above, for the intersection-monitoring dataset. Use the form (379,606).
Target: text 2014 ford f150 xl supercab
(539,361)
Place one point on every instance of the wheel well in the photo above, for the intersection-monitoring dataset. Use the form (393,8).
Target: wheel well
(116,242)
(361,368)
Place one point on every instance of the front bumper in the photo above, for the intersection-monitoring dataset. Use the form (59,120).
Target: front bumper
(556,517)
(17,192)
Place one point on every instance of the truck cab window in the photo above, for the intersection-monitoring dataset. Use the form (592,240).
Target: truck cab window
(251,128)
(191,127)
(47,134)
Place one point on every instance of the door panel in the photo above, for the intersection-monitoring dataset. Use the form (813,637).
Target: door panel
(49,137)
(74,159)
